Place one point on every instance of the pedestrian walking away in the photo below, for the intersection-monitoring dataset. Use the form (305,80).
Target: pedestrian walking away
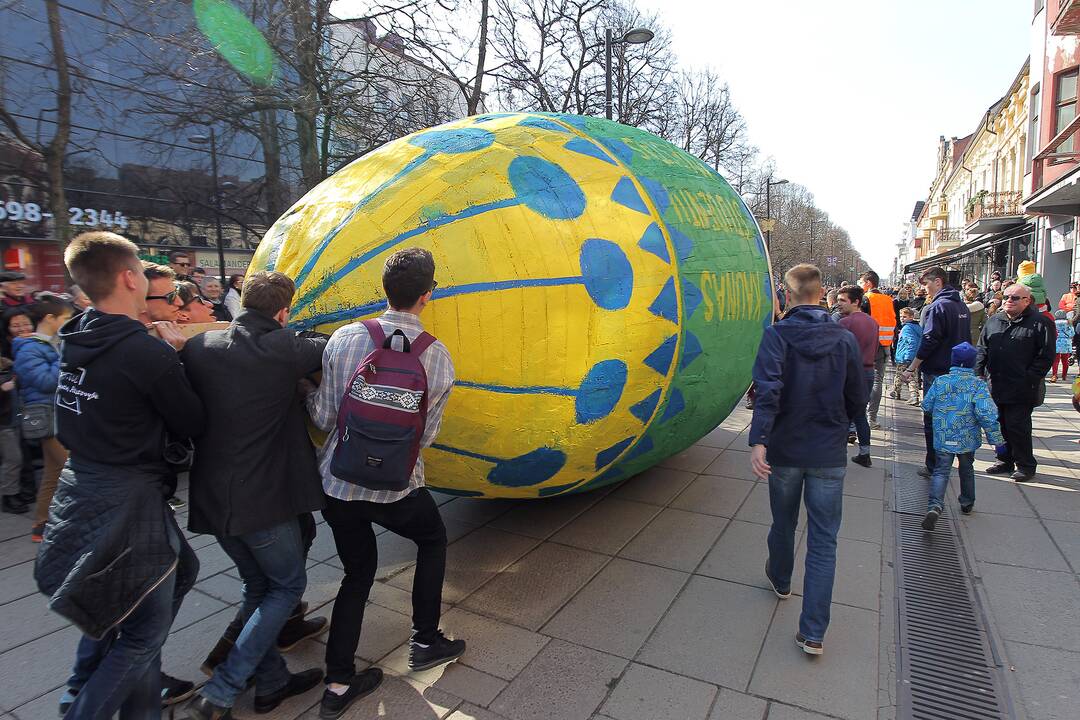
(1016,350)
(946,323)
(962,411)
(113,560)
(253,477)
(798,442)
(382,482)
(886,312)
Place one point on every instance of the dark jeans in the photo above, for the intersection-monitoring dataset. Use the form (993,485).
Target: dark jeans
(308,530)
(122,671)
(1016,427)
(862,425)
(271,564)
(928,423)
(823,489)
(415,517)
(939,481)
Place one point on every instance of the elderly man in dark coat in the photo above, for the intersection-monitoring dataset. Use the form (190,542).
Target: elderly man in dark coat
(254,474)
(1016,349)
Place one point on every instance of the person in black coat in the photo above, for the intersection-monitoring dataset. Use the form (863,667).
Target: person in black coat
(253,475)
(1016,349)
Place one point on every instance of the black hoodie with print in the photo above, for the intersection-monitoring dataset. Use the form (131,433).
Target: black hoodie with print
(120,390)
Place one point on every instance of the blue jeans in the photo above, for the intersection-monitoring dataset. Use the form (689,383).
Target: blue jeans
(823,489)
(271,564)
(940,479)
(862,425)
(122,671)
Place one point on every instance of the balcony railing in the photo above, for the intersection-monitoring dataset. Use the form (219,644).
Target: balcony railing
(995,205)
(947,237)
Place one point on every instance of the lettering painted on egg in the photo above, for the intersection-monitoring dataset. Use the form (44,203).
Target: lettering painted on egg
(708,211)
(731,296)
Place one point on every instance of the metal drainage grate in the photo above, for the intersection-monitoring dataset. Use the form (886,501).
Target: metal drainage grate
(945,665)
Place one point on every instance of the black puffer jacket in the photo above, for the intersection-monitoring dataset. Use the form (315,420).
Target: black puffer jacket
(111,539)
(1016,355)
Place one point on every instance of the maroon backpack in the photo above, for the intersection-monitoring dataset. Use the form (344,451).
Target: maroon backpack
(383,414)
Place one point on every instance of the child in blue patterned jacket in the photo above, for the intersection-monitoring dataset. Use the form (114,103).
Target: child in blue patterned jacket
(907,345)
(962,410)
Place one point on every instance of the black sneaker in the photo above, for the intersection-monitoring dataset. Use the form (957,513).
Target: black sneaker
(441,650)
(931,518)
(176,503)
(966,509)
(1000,468)
(202,709)
(299,683)
(810,647)
(782,594)
(861,459)
(361,685)
(12,504)
(924,472)
(296,632)
(1022,476)
(175,690)
(852,438)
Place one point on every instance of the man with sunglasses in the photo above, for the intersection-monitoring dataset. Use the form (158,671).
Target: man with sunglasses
(180,262)
(1016,349)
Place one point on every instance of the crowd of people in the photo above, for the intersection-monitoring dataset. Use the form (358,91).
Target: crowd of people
(976,362)
(81,380)
(236,416)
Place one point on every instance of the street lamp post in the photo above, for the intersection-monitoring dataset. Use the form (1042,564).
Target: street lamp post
(637,36)
(768,207)
(211,139)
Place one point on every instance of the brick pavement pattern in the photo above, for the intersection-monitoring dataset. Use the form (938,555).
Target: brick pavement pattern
(639,602)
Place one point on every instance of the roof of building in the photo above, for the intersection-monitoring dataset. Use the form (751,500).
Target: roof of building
(918,209)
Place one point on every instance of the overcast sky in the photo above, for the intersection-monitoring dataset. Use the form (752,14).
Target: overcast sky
(850,96)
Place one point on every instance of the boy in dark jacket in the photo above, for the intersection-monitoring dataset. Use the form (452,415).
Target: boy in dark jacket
(946,323)
(798,439)
(113,560)
(254,475)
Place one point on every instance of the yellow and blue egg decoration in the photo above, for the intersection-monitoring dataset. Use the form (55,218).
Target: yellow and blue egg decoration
(602,292)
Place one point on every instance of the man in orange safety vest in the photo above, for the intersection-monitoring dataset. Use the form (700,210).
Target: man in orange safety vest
(884,310)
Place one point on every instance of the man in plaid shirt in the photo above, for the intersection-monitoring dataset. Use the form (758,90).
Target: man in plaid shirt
(409,280)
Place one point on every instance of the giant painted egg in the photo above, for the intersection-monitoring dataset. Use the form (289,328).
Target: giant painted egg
(602,293)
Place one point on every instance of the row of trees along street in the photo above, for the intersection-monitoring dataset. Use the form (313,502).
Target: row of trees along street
(348,77)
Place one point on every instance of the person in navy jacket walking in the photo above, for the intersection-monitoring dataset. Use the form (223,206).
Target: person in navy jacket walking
(798,439)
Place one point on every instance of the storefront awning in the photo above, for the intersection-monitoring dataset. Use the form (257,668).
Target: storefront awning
(968,248)
(1062,197)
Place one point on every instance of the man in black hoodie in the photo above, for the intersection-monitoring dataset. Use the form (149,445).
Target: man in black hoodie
(113,560)
(798,439)
(946,323)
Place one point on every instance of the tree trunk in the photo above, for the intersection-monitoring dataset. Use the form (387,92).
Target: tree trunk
(481,56)
(56,149)
(271,148)
(307,102)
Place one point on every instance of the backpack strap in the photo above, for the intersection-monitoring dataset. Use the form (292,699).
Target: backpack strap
(422,342)
(375,331)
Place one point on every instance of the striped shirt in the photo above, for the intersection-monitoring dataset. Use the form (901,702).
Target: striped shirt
(347,347)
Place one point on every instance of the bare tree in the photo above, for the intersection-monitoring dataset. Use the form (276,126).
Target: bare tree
(54,150)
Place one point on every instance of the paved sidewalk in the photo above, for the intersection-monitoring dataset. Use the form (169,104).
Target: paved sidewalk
(640,602)
(1023,550)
